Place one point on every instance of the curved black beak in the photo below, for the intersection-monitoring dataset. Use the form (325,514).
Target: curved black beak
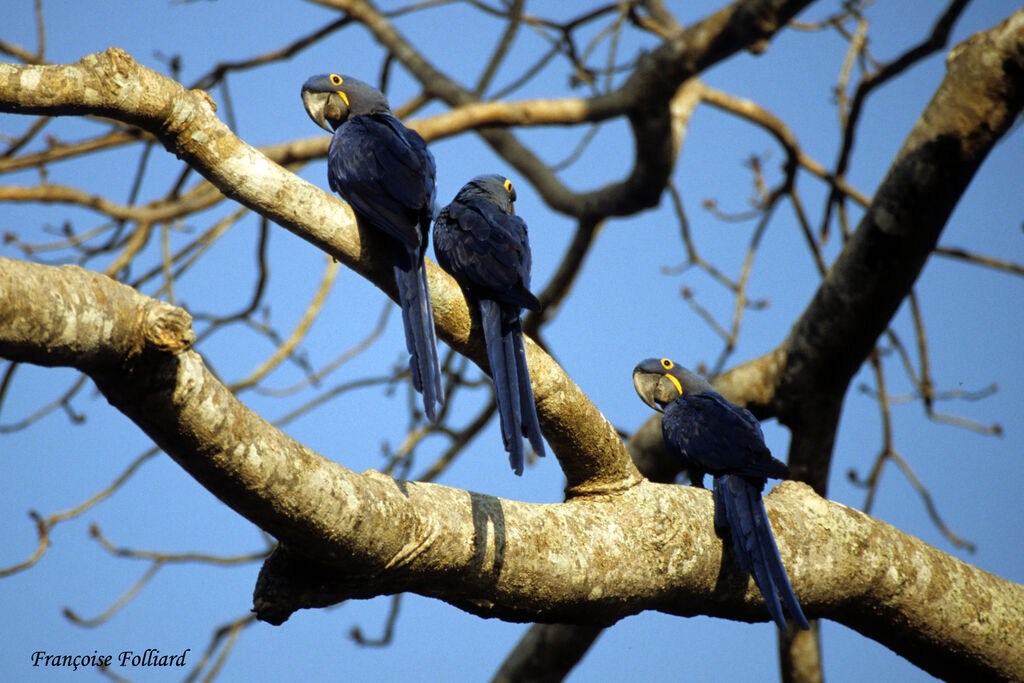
(327,109)
(648,387)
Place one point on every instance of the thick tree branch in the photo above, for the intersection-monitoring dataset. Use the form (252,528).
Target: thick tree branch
(547,653)
(111,84)
(980,97)
(592,559)
(643,98)
(594,471)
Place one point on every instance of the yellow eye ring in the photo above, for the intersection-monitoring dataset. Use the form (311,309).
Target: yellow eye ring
(667,364)
(336,79)
(508,186)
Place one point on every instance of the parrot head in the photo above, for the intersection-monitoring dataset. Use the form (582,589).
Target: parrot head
(330,99)
(494,188)
(659,381)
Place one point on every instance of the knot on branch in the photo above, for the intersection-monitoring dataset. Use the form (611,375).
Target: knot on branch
(116,59)
(289,582)
(118,74)
(166,328)
(141,94)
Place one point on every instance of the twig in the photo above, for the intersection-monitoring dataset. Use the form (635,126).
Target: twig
(389,627)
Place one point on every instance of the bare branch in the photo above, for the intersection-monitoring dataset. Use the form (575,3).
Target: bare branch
(976,103)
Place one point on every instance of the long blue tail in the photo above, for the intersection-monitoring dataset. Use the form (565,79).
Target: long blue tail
(503,336)
(418,319)
(743,508)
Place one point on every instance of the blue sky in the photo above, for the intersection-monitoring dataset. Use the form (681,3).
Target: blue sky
(623,308)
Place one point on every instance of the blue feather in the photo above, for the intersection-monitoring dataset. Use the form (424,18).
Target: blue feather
(707,434)
(418,322)
(747,520)
(529,426)
(386,173)
(486,249)
(504,374)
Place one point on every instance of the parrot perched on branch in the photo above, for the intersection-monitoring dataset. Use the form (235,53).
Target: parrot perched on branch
(480,241)
(708,435)
(386,173)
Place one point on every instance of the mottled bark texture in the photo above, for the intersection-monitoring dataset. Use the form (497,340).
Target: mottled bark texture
(112,84)
(803,381)
(592,559)
(980,97)
(616,546)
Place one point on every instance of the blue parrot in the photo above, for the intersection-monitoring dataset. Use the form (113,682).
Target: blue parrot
(480,241)
(386,173)
(707,434)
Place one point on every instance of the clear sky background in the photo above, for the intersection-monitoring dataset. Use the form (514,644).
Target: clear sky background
(624,308)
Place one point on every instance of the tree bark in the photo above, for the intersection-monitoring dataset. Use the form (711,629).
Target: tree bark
(593,559)
(615,547)
(112,84)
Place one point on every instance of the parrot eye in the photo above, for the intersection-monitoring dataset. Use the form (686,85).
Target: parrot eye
(508,186)
(336,79)
(667,364)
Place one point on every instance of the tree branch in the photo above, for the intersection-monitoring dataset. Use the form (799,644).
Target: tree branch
(643,97)
(111,84)
(592,559)
(980,97)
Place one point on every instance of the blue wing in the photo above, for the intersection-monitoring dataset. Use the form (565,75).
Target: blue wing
(386,173)
(707,433)
(517,414)
(487,252)
(739,501)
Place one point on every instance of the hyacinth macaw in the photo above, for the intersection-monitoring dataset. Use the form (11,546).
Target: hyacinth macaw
(480,241)
(386,173)
(707,434)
